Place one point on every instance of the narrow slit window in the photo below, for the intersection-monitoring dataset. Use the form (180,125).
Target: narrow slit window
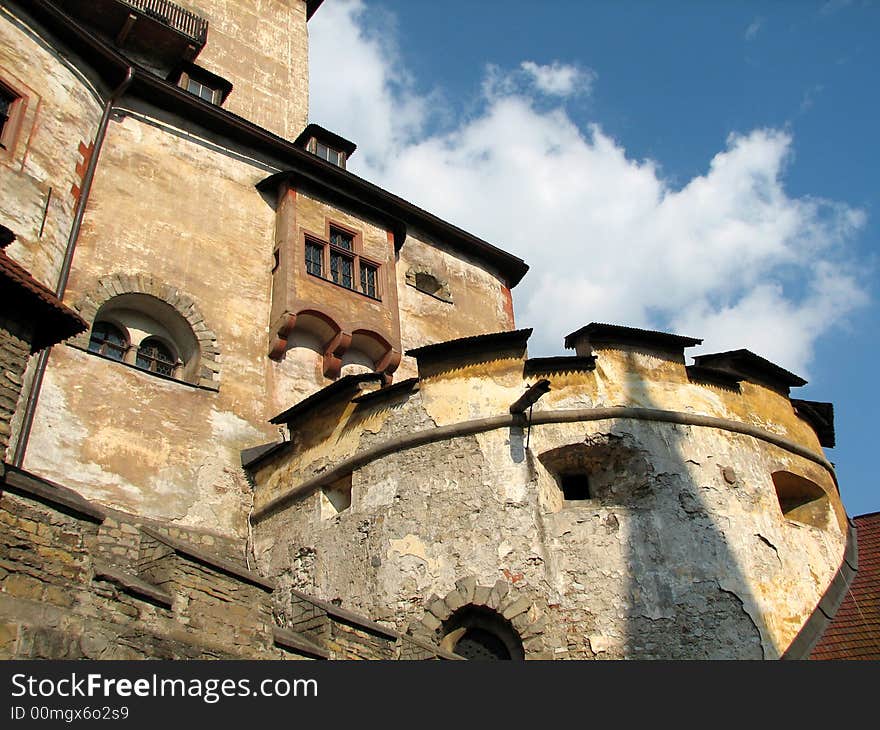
(314,258)
(368,280)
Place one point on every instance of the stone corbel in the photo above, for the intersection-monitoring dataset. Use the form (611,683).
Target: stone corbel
(283,327)
(333,353)
(387,364)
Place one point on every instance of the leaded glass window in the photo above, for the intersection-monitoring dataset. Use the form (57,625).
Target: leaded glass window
(154,356)
(108,340)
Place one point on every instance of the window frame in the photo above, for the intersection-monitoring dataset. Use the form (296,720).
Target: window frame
(331,250)
(173,362)
(218,86)
(105,344)
(314,146)
(10,130)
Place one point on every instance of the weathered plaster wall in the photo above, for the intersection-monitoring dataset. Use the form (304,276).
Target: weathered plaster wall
(262,48)
(682,551)
(59,113)
(480,301)
(130,439)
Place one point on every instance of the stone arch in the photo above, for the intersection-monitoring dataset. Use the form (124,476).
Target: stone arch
(525,615)
(207,371)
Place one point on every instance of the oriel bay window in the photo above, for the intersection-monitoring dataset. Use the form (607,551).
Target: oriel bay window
(339,260)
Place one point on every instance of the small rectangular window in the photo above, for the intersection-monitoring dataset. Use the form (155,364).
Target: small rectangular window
(203,84)
(314,258)
(574,486)
(342,269)
(332,156)
(368,280)
(341,239)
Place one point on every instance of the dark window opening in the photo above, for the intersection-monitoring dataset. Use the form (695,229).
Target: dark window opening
(152,355)
(7,104)
(480,644)
(574,486)
(108,340)
(341,269)
(341,239)
(478,632)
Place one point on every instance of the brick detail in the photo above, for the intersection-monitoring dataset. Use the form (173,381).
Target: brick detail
(86,153)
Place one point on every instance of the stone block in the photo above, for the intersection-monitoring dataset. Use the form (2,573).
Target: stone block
(520,605)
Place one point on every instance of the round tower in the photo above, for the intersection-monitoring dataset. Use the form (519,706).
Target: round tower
(612,504)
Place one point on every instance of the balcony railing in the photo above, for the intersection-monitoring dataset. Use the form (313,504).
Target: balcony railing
(174,16)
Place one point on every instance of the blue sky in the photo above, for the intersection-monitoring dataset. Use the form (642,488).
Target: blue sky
(712,166)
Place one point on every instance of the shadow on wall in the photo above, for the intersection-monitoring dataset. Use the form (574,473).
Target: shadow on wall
(679,607)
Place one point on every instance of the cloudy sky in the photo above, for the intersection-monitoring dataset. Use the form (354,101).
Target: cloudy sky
(703,168)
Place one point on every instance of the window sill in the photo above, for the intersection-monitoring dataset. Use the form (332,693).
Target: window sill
(167,378)
(344,288)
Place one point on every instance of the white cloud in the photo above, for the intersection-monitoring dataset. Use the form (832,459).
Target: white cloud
(730,256)
(753,29)
(559,79)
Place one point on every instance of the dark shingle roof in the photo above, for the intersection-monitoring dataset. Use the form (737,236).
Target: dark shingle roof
(854,632)
(615,334)
(751,367)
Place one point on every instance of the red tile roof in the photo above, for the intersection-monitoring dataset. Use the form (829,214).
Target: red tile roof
(854,632)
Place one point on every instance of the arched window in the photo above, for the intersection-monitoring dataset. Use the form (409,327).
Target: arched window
(146,333)
(152,355)
(108,340)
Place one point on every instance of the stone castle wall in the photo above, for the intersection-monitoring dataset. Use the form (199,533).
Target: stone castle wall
(681,551)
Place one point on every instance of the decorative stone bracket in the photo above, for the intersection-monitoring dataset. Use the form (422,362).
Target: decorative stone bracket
(332,350)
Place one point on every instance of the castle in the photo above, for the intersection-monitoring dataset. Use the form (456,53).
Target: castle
(255,406)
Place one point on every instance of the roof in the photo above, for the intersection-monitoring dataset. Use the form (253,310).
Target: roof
(616,334)
(31,300)
(311,7)
(329,138)
(820,416)
(344,386)
(342,186)
(558,364)
(854,632)
(751,367)
(475,344)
